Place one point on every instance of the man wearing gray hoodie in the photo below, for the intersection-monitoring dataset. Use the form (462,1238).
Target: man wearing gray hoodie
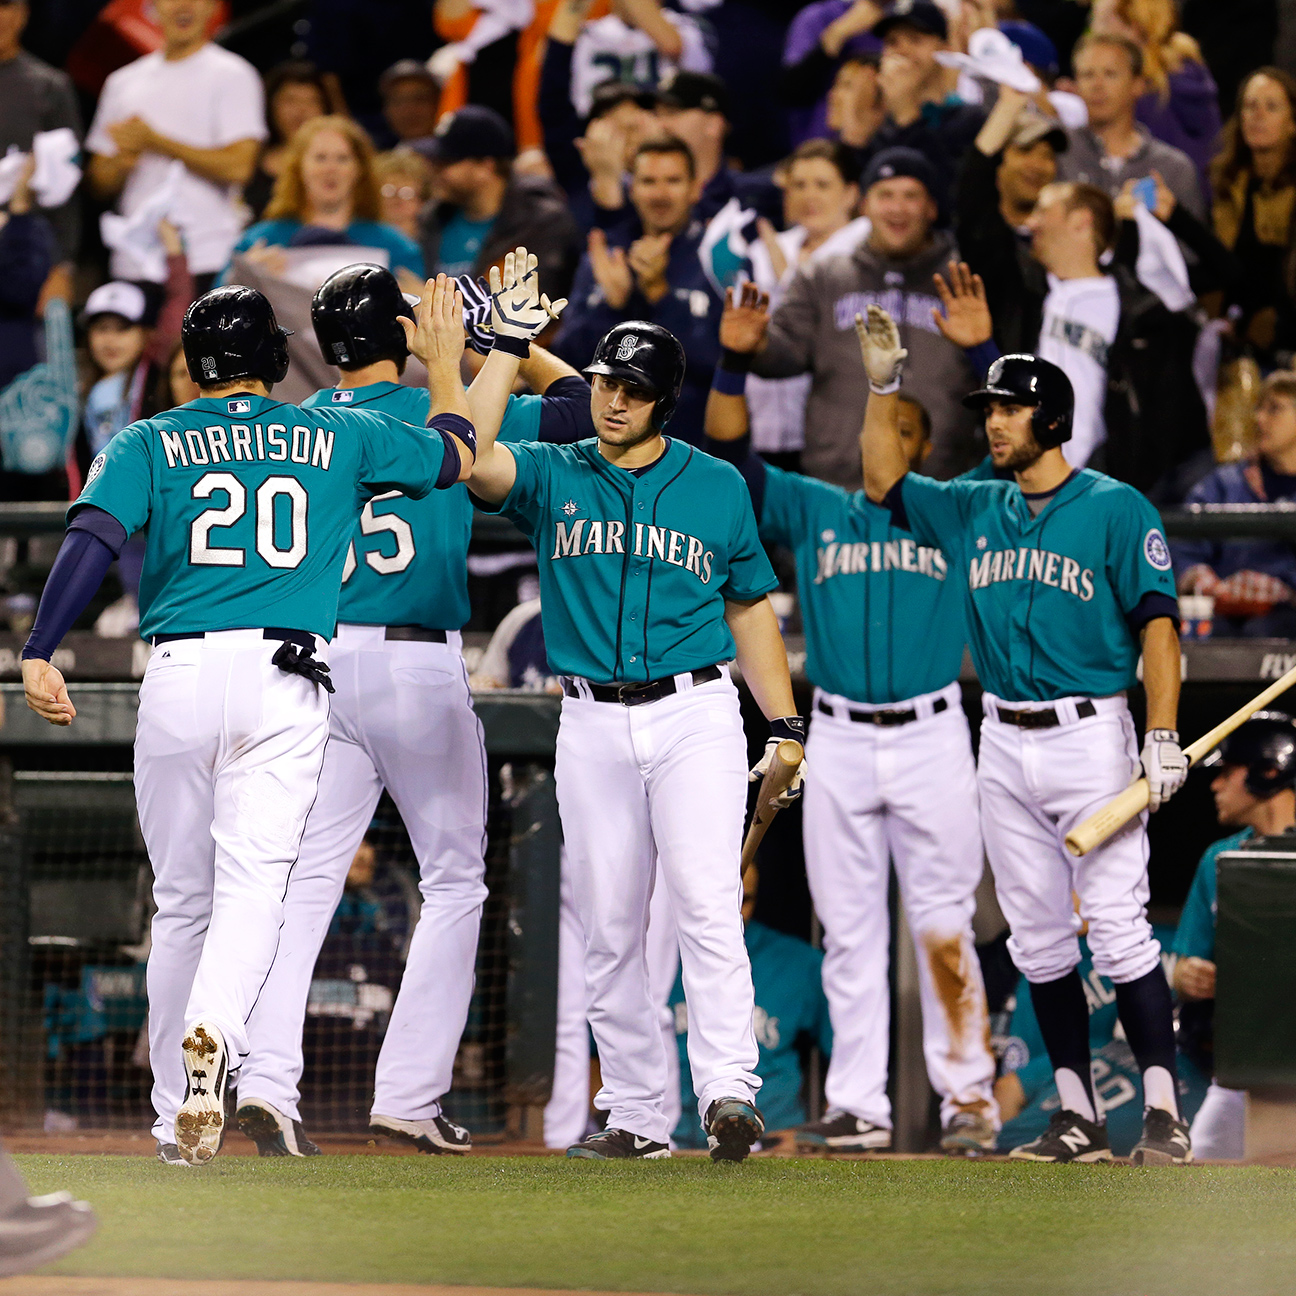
(813,330)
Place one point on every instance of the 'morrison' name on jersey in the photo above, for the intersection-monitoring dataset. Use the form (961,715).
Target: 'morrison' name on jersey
(1056,570)
(248,442)
(879,556)
(586,536)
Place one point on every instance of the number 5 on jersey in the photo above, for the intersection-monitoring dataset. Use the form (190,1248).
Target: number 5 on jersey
(372,523)
(203,553)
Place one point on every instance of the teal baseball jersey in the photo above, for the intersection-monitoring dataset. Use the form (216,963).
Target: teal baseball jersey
(635,568)
(883,615)
(250,504)
(1195,935)
(1047,598)
(408,560)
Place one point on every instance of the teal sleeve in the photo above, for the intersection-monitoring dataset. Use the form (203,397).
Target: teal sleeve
(1138,558)
(750,573)
(120,480)
(521,419)
(1195,935)
(524,502)
(785,508)
(934,510)
(396,455)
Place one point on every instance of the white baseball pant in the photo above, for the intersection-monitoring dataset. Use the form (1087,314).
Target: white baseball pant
(228,751)
(1038,784)
(567,1112)
(1218,1130)
(402,719)
(660,790)
(905,793)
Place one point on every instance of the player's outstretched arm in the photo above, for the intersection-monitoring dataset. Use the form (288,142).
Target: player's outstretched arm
(541,369)
(437,339)
(883,452)
(743,326)
(1163,761)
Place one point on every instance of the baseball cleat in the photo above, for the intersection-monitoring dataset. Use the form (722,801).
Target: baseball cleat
(618,1145)
(42,1229)
(437,1136)
(1069,1138)
(967,1134)
(169,1154)
(1165,1140)
(200,1122)
(274,1133)
(839,1131)
(732,1126)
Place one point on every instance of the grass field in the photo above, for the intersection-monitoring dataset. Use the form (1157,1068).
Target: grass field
(765,1228)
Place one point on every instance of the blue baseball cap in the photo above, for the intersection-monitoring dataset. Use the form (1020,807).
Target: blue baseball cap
(922,15)
(470,132)
(1035,46)
(898,162)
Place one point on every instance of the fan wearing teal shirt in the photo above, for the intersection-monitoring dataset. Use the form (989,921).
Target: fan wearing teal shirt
(402,719)
(1065,575)
(895,780)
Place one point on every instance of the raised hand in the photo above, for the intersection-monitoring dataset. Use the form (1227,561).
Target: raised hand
(611,270)
(477,313)
(437,337)
(744,322)
(649,257)
(965,319)
(880,350)
(518,308)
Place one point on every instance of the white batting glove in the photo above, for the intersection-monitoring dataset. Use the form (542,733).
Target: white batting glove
(793,727)
(1164,764)
(518,308)
(881,351)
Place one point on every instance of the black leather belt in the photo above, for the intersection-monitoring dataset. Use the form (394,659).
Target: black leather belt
(1043,717)
(638,694)
(414,634)
(302,637)
(884,718)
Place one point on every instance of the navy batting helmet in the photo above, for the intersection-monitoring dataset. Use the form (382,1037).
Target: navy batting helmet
(231,333)
(355,317)
(1266,746)
(1028,380)
(647,356)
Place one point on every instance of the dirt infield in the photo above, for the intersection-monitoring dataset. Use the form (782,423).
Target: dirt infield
(172,1286)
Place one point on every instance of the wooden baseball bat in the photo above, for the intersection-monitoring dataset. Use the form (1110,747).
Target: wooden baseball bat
(788,756)
(1133,801)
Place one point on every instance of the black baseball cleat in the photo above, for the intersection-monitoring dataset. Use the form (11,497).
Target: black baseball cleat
(617,1145)
(274,1134)
(169,1154)
(732,1126)
(1165,1140)
(1069,1138)
(437,1137)
(839,1131)
(41,1229)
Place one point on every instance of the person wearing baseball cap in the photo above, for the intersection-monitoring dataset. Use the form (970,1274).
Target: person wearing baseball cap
(808,332)
(486,209)
(921,111)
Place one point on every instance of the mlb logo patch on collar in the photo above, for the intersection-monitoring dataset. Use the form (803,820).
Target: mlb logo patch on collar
(343,397)
(239,406)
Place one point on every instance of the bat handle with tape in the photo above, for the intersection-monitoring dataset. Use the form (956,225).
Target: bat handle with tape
(788,756)
(1133,800)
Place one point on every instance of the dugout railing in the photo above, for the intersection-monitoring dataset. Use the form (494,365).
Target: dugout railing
(74,888)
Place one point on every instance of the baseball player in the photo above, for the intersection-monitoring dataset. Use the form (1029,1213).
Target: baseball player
(651,574)
(894,775)
(1064,574)
(401,719)
(250,505)
(1253,789)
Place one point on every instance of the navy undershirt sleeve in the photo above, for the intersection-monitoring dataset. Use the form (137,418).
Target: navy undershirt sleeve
(450,465)
(92,542)
(1153,604)
(739,452)
(982,356)
(894,501)
(565,411)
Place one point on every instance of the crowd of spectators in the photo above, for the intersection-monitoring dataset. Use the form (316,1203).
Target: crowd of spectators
(1109,183)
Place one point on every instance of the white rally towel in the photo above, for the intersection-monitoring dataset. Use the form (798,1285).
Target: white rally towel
(137,234)
(1161,267)
(56,174)
(993,56)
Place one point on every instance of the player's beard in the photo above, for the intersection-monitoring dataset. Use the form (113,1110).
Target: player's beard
(626,438)
(1023,457)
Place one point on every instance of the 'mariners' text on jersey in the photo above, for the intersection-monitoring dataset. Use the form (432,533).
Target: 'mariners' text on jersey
(584,536)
